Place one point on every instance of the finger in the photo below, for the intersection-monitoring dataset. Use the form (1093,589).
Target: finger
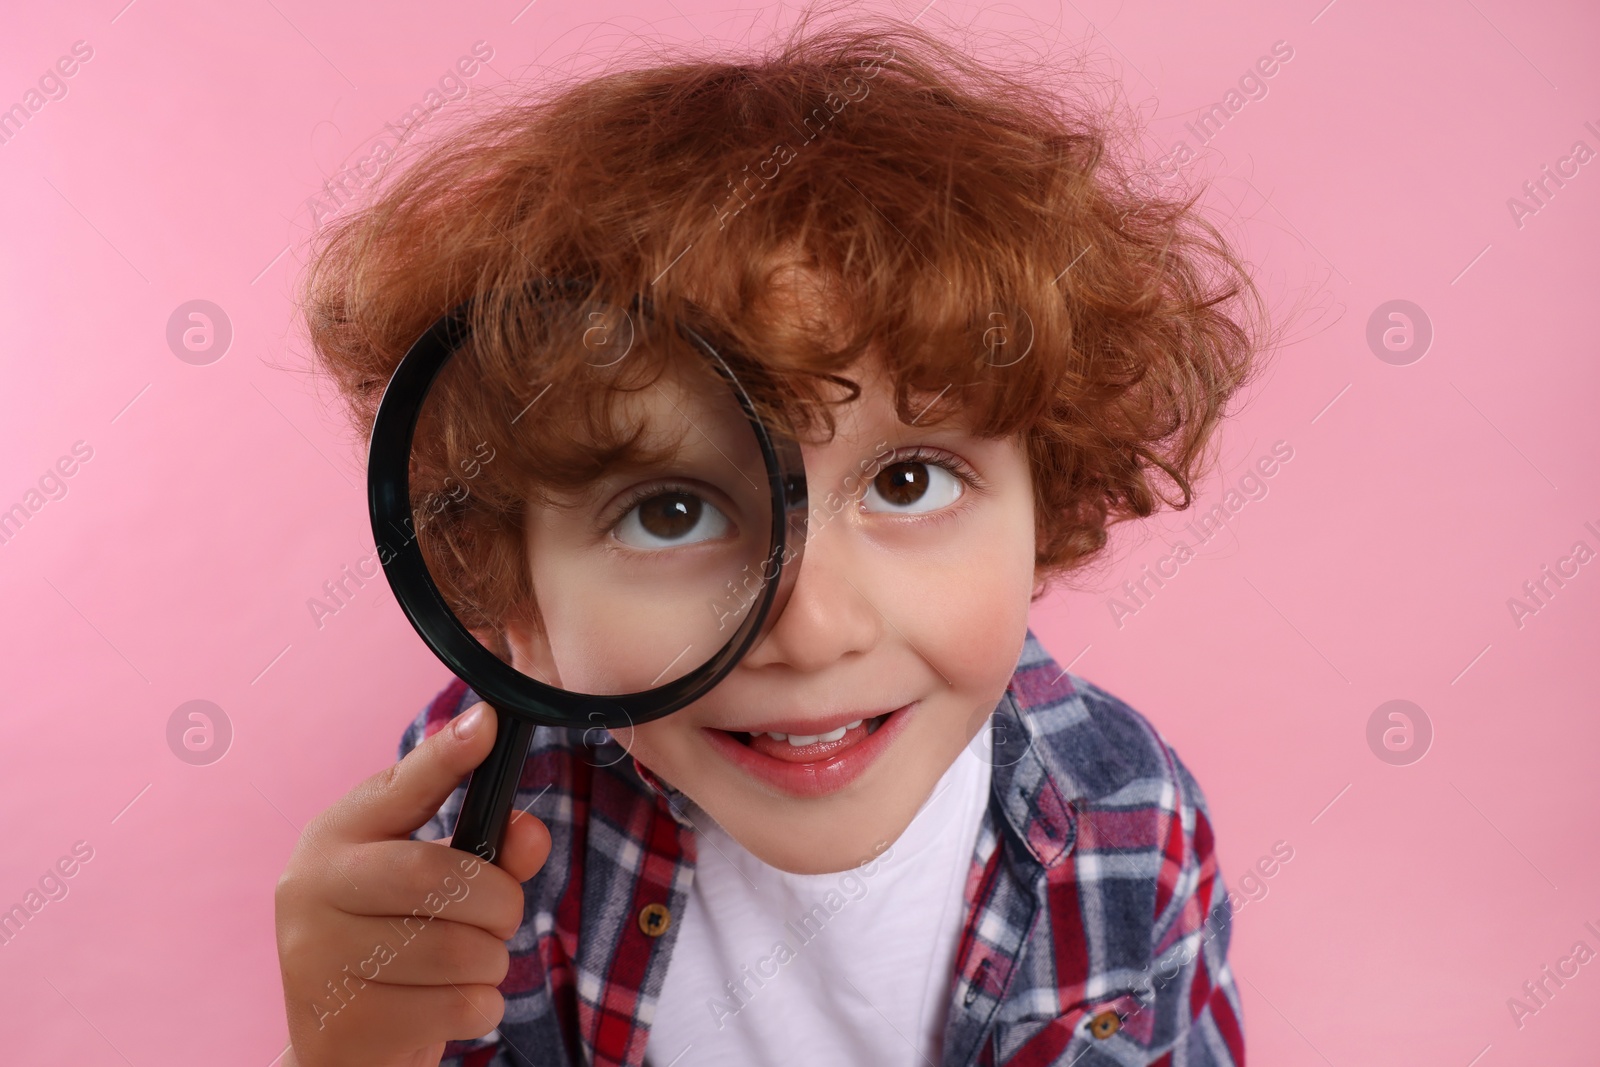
(400,798)
(404,950)
(383,1020)
(526,848)
(423,880)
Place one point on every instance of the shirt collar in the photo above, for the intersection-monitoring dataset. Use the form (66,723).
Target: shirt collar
(1050,755)
(1036,807)
(676,800)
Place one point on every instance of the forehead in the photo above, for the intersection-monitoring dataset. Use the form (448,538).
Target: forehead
(689,416)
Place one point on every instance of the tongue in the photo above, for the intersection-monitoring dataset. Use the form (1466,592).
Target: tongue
(821,750)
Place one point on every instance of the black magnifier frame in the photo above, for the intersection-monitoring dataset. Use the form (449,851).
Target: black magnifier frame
(522,702)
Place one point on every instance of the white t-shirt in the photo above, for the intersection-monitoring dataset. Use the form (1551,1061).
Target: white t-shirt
(846,968)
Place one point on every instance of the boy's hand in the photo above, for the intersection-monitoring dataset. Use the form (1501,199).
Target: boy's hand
(389,947)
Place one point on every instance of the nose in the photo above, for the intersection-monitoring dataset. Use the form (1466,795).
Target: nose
(828,616)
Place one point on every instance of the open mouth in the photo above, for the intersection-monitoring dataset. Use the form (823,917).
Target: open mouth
(799,741)
(811,764)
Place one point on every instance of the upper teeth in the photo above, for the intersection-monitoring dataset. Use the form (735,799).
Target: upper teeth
(798,740)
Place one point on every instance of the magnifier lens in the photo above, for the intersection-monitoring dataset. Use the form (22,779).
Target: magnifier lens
(591,503)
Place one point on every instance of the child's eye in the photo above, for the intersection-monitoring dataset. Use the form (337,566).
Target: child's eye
(912,487)
(670,519)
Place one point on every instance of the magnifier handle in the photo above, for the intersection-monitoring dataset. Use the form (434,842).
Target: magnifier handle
(486,811)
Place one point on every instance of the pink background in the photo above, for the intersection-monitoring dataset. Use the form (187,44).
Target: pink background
(1377,567)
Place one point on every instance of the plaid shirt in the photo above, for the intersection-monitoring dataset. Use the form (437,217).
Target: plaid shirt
(1095,928)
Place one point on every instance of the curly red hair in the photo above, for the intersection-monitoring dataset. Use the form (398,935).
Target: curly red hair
(936,199)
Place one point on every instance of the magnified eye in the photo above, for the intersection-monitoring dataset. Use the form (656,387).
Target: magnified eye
(912,487)
(670,519)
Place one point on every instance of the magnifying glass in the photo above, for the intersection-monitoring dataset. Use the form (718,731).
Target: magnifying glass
(589,516)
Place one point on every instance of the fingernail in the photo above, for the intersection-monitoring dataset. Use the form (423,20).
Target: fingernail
(467,725)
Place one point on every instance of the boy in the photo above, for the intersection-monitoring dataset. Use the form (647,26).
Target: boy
(897,832)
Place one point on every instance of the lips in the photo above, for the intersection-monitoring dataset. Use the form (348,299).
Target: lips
(811,747)
(825,764)
(810,725)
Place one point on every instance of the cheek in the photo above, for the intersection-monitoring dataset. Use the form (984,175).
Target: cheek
(972,608)
(988,618)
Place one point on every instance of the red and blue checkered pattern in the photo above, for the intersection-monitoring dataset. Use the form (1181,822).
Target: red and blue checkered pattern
(1093,889)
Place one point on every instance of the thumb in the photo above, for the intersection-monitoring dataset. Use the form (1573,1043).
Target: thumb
(400,798)
(527,846)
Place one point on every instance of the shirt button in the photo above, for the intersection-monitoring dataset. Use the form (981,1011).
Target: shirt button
(1105,1023)
(654,919)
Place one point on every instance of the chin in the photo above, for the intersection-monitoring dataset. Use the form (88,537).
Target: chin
(809,849)
(826,835)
